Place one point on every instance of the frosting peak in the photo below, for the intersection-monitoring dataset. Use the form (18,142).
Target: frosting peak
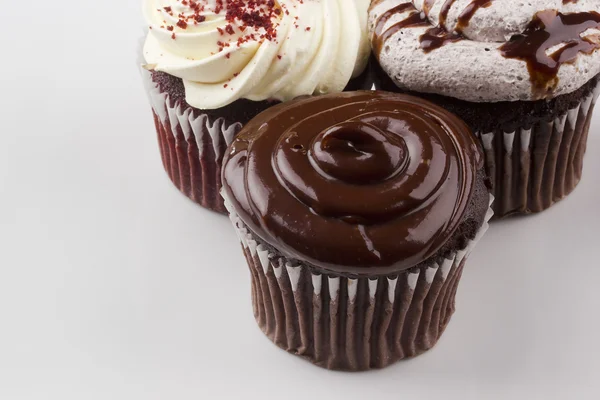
(257,50)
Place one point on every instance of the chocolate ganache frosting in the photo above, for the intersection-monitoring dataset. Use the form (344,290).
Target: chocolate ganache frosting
(363,182)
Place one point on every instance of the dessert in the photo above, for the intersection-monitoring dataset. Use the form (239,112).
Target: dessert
(523,75)
(356,212)
(212,65)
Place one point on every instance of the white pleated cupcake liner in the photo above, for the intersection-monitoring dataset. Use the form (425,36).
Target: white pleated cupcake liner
(352,324)
(193,143)
(192,146)
(533,168)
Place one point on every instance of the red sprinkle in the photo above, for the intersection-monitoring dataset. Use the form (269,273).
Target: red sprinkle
(260,15)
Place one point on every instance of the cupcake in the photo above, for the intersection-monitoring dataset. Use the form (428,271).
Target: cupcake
(210,66)
(523,75)
(356,212)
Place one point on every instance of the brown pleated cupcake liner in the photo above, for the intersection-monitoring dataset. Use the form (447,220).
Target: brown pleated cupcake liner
(192,145)
(531,169)
(351,324)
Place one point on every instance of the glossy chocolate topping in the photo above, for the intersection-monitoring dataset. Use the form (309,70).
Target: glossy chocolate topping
(549,29)
(363,182)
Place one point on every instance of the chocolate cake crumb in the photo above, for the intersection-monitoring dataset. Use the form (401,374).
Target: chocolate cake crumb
(241,110)
(492,117)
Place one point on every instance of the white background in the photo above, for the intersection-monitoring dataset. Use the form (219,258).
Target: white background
(115,286)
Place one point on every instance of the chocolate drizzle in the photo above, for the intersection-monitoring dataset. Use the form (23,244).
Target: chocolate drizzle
(415,19)
(437,37)
(432,39)
(467,14)
(428,5)
(363,182)
(549,29)
(445,11)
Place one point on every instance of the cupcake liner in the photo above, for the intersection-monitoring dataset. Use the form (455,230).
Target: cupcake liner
(192,145)
(345,323)
(533,168)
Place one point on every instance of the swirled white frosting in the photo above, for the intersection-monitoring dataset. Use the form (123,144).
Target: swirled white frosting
(317,47)
(474,69)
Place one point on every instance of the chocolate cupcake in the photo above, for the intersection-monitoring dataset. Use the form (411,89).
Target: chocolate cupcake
(356,212)
(523,75)
(210,66)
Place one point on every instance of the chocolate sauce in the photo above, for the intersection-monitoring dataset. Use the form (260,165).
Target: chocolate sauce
(444,11)
(428,5)
(362,182)
(415,19)
(433,38)
(548,29)
(374,3)
(465,17)
(437,37)
(570,1)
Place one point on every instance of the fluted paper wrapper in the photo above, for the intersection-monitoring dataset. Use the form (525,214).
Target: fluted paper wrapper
(192,146)
(531,169)
(350,324)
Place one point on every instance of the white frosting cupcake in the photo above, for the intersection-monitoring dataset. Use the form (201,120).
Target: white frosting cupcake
(278,50)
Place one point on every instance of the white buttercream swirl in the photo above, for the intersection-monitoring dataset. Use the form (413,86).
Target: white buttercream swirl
(475,69)
(319,46)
